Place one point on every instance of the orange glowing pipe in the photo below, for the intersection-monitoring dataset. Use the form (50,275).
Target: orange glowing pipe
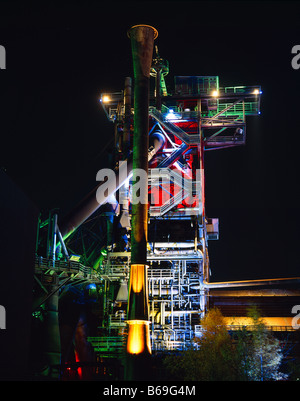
(137,278)
(138,340)
(138,293)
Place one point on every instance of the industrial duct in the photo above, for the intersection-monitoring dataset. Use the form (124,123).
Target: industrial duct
(91,202)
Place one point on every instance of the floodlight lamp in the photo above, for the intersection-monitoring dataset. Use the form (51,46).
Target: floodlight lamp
(215,93)
(104,252)
(170,115)
(105,99)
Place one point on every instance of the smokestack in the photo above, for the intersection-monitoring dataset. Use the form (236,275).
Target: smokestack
(142,43)
(138,341)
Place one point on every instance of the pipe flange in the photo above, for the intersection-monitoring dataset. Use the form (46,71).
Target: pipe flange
(143,25)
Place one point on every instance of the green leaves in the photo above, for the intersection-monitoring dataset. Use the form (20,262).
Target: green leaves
(250,354)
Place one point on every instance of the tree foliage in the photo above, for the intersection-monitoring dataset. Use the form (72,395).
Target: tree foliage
(259,351)
(249,355)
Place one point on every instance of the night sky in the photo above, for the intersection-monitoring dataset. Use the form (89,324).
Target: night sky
(55,136)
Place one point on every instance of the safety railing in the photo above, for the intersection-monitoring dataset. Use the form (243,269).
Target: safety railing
(108,344)
(199,331)
(62,265)
(252,327)
(114,271)
(161,274)
(226,139)
(169,345)
(244,108)
(246,90)
(117,320)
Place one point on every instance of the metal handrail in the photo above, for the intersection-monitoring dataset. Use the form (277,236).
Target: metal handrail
(60,264)
(161,273)
(108,344)
(198,328)
(253,327)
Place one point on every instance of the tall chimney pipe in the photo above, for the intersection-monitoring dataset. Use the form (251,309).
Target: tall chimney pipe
(142,43)
(138,340)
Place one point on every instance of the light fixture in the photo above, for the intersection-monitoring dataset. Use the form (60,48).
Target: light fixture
(105,99)
(171,116)
(215,93)
(256,92)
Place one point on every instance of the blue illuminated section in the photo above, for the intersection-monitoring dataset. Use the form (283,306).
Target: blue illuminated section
(91,286)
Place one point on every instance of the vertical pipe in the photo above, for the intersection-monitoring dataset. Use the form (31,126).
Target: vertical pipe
(63,245)
(138,340)
(142,42)
(54,224)
(203,296)
(48,252)
(158,89)
(51,339)
(201,165)
(127,106)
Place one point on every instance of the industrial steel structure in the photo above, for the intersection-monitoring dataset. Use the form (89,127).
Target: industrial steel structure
(195,116)
(89,253)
